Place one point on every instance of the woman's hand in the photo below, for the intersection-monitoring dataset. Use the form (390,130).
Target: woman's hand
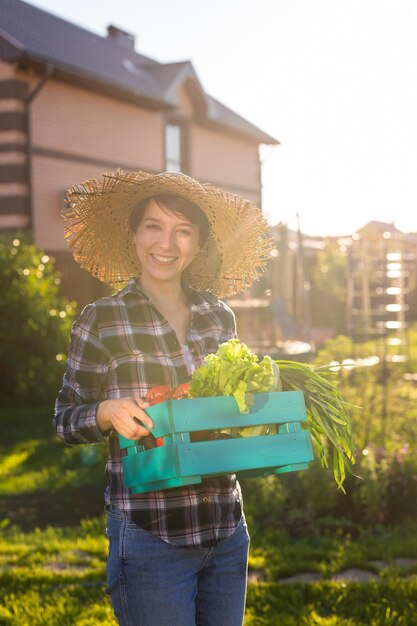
(122,415)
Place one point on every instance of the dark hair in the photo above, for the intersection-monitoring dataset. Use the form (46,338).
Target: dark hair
(176,204)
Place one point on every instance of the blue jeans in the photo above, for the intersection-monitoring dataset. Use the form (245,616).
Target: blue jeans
(153,583)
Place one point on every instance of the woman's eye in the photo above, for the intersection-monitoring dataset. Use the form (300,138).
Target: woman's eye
(152,227)
(184,231)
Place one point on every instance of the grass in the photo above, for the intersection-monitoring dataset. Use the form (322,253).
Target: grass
(38,461)
(275,555)
(42,480)
(391,603)
(55,575)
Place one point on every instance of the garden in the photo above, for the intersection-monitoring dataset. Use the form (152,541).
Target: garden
(318,556)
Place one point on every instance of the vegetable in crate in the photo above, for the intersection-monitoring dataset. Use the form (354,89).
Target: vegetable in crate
(159,394)
(235,371)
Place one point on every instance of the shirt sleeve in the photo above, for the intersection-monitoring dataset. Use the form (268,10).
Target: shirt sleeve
(229,330)
(75,419)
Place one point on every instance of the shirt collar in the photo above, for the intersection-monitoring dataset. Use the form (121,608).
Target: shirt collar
(195,296)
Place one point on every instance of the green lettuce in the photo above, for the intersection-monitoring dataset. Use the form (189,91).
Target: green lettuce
(234,370)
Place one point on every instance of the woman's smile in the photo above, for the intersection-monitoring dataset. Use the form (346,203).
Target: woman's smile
(164,260)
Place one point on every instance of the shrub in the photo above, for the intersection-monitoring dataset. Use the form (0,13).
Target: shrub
(35,323)
(384,426)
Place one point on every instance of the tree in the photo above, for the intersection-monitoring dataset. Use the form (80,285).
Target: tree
(35,323)
(330,280)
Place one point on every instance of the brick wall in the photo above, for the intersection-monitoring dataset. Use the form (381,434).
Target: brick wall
(14,179)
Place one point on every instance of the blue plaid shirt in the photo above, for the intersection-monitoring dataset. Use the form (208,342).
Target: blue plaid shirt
(122,346)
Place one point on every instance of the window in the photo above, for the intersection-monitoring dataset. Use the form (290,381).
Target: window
(173,148)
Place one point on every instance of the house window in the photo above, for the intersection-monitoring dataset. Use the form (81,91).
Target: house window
(173,148)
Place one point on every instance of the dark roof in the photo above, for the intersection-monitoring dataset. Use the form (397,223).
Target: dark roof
(29,34)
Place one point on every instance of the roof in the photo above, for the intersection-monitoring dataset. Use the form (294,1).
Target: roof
(387,227)
(31,35)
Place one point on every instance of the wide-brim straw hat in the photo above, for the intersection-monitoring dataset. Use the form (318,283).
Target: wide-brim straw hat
(97,230)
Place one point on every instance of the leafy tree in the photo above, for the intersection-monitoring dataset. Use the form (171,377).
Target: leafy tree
(330,281)
(35,322)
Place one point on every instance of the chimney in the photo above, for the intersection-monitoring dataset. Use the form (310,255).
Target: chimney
(121,36)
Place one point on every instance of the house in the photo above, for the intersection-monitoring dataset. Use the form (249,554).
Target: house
(74,105)
(382,286)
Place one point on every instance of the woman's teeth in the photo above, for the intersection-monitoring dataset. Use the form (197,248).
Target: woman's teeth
(164,259)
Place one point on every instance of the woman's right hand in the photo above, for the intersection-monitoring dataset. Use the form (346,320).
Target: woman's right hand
(122,415)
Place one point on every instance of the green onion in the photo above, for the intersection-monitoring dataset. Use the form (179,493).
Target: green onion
(327,414)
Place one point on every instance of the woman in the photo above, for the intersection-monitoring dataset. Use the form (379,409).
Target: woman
(176,556)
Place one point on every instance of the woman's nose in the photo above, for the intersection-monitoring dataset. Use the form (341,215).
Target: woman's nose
(166,238)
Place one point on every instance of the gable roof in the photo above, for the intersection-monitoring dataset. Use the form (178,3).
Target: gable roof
(30,35)
(383,227)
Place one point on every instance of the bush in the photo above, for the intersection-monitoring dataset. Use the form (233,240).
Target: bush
(389,488)
(35,323)
(384,426)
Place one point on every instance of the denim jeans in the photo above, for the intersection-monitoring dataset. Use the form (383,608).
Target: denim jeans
(153,583)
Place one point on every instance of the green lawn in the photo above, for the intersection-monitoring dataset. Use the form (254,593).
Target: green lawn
(55,575)
(41,480)
(32,458)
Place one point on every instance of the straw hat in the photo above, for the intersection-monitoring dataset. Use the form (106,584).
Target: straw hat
(97,230)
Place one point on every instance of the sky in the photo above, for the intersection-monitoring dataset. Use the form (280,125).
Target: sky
(334,81)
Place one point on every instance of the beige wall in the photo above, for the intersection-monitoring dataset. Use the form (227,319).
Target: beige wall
(224,160)
(6,71)
(51,177)
(70,119)
(185,105)
(66,119)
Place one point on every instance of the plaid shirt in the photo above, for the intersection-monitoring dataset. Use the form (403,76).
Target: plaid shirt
(122,346)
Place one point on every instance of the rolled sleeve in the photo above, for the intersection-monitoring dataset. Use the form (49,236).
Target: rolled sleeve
(75,418)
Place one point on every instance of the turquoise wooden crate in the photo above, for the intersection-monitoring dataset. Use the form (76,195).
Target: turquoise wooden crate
(183,462)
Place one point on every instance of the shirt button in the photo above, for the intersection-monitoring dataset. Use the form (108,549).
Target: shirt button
(206,499)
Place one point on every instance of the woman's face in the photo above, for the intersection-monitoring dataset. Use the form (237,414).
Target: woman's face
(166,243)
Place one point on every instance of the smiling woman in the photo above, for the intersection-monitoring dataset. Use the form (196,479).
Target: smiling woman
(166,243)
(177,556)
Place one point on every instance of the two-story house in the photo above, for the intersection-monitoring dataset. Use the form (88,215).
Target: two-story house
(74,104)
